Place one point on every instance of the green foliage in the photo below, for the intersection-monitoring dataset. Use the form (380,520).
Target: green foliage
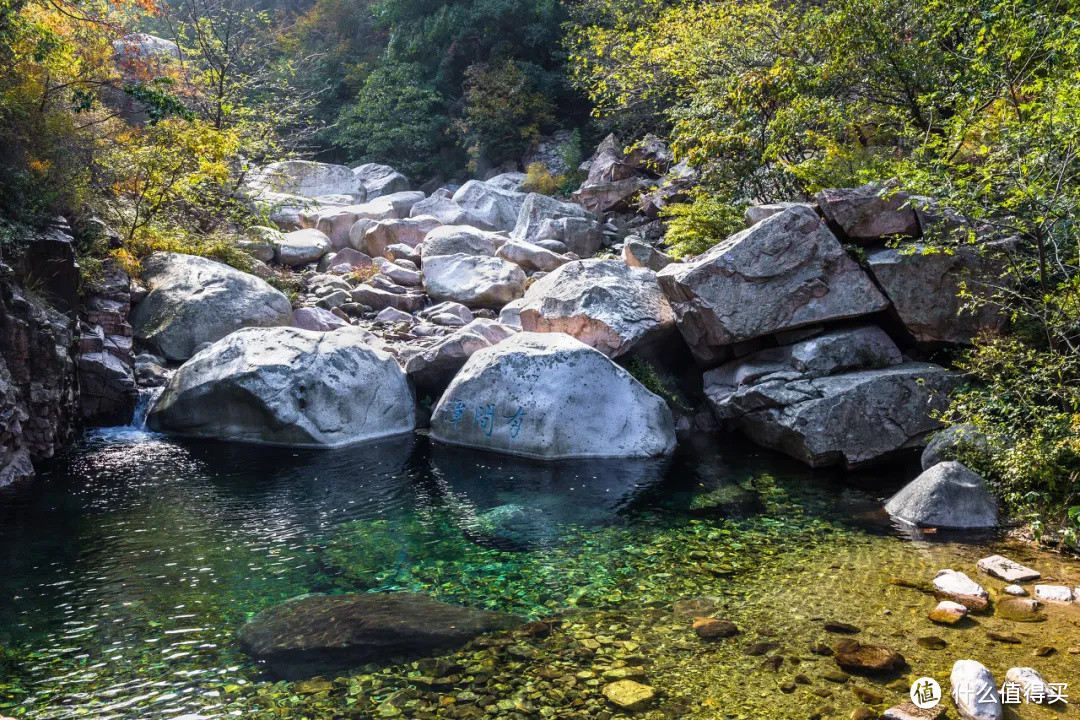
(396,119)
(1026,400)
(695,227)
(504,113)
(663,386)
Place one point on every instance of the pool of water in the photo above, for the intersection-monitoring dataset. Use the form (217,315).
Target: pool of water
(125,572)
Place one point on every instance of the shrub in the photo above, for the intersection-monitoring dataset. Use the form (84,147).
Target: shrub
(695,227)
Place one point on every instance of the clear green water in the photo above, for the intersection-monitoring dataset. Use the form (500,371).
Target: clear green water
(125,573)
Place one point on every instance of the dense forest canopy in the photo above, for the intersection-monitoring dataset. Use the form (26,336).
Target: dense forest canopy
(973,103)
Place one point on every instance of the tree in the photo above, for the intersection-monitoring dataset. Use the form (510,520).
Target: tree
(504,113)
(397,120)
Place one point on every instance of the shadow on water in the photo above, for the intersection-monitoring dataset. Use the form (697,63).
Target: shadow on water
(144,553)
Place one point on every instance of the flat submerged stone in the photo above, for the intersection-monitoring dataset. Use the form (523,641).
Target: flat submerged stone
(1008,570)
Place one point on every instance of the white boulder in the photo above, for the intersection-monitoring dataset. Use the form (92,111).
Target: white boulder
(603,303)
(473,281)
(286,386)
(550,396)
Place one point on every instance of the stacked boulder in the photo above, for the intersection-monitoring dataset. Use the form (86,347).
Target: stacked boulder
(790,323)
(106,364)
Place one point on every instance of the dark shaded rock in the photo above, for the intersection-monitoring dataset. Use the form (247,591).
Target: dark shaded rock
(714,628)
(924,288)
(841,628)
(854,657)
(953,442)
(330,632)
(38,397)
(728,500)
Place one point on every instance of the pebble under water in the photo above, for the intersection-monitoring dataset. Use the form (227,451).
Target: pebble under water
(126,570)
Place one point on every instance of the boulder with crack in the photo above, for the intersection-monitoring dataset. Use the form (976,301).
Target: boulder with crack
(785,272)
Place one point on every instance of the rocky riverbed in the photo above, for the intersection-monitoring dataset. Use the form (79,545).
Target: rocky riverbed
(724,583)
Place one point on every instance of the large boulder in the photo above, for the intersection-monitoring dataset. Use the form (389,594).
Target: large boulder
(868,213)
(603,303)
(853,418)
(455,239)
(508,181)
(318,634)
(409,231)
(537,209)
(948,495)
(306,179)
(924,288)
(448,212)
(785,272)
(286,386)
(530,257)
(496,208)
(581,236)
(432,368)
(472,280)
(550,396)
(193,300)
(605,197)
(301,247)
(378,180)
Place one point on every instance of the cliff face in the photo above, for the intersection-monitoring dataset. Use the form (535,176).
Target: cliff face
(38,385)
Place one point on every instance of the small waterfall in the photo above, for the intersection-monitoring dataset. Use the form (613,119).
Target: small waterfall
(147,398)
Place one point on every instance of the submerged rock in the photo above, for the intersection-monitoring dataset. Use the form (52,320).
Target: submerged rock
(947,495)
(193,300)
(312,634)
(548,395)
(513,527)
(948,612)
(287,386)
(1019,609)
(853,656)
(629,695)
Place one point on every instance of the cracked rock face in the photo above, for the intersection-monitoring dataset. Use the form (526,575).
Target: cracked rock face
(286,386)
(603,303)
(924,288)
(550,396)
(842,398)
(785,272)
